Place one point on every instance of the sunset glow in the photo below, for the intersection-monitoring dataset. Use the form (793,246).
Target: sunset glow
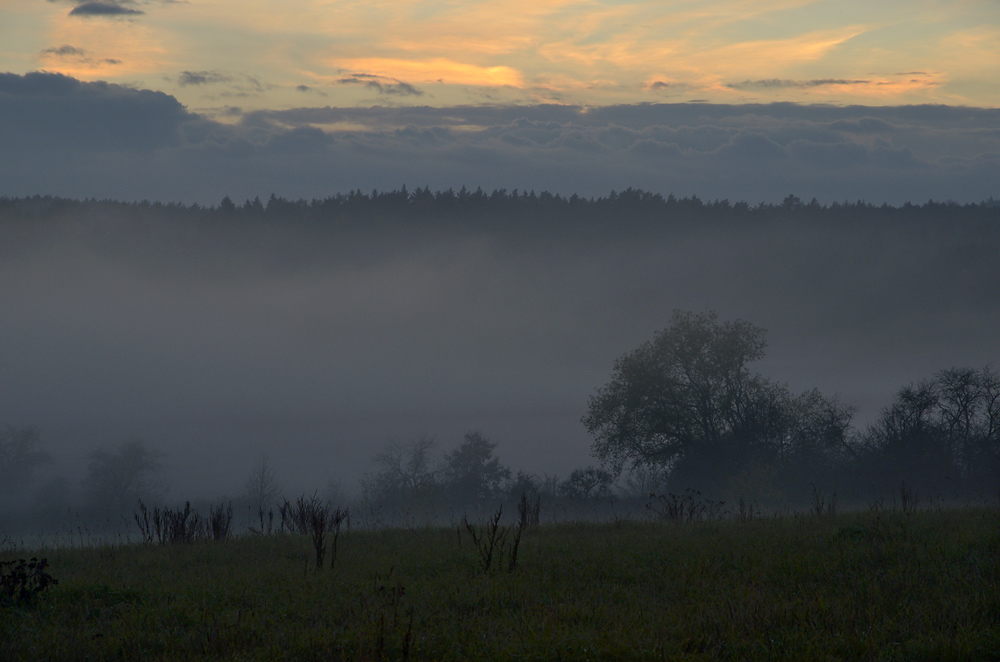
(261,54)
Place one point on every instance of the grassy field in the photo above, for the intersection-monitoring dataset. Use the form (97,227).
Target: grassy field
(886,585)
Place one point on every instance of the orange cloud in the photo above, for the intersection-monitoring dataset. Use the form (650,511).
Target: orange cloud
(433,71)
(753,57)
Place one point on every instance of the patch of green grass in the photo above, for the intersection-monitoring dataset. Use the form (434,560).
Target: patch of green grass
(860,586)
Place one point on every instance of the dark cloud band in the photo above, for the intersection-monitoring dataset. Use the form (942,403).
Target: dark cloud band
(104,9)
(150,146)
(202,78)
(774,83)
(381,84)
(65,51)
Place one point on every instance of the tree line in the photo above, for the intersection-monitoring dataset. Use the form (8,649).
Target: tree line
(683,411)
(407,483)
(686,406)
(500,206)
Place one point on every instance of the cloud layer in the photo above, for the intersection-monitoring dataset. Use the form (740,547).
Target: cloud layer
(67,137)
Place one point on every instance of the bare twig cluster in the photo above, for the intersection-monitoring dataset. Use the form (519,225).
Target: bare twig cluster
(688,507)
(495,543)
(822,506)
(316,518)
(746,511)
(385,619)
(266,519)
(529,510)
(182,525)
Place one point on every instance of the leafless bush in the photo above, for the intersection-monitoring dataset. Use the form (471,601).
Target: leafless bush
(821,506)
(688,507)
(314,517)
(907,498)
(266,520)
(746,511)
(494,542)
(183,525)
(220,521)
(490,539)
(144,520)
(529,510)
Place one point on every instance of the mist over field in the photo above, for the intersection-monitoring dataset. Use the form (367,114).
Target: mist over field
(216,339)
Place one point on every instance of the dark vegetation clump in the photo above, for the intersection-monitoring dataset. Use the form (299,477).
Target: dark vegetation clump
(22,580)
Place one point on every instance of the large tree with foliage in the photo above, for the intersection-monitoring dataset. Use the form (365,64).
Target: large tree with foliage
(404,472)
(471,472)
(687,403)
(116,479)
(940,436)
(20,456)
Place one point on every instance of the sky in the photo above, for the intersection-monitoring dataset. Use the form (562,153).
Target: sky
(217,55)
(193,100)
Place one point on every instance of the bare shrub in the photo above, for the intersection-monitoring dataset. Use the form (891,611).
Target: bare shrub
(528,510)
(746,511)
(688,507)
(220,521)
(183,525)
(489,539)
(314,517)
(266,520)
(494,542)
(821,506)
(144,520)
(907,498)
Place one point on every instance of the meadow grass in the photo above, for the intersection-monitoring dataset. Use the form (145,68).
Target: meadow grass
(885,585)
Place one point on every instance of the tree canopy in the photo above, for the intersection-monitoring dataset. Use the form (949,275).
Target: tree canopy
(687,403)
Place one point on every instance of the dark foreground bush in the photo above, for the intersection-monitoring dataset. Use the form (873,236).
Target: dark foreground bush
(21,580)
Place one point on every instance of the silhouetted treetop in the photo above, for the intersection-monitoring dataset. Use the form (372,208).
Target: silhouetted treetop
(686,403)
(628,206)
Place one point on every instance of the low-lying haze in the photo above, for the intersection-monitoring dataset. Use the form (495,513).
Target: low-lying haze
(316,342)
